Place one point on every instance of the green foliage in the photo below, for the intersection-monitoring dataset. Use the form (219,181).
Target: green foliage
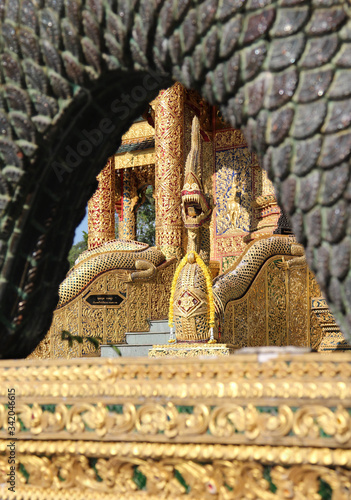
(71,338)
(95,341)
(115,348)
(145,220)
(65,335)
(85,238)
(77,249)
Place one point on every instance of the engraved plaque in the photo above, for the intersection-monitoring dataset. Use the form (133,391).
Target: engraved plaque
(104,300)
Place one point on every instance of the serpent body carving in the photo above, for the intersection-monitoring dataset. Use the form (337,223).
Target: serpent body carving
(236,281)
(74,75)
(118,254)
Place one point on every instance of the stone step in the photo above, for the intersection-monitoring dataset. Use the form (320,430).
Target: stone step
(138,343)
(146,338)
(127,350)
(159,326)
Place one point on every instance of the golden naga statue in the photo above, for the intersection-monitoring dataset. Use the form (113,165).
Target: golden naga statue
(196,301)
(191,303)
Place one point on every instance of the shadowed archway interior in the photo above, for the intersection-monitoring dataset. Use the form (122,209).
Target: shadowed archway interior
(75,74)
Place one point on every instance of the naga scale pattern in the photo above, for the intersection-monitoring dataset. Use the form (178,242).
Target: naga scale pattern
(236,281)
(74,75)
(118,254)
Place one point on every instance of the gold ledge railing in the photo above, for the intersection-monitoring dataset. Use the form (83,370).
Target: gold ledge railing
(243,426)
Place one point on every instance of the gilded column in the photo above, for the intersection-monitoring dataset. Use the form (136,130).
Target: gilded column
(127,226)
(169,149)
(101,209)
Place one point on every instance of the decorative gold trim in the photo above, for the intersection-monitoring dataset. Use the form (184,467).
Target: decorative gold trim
(284,455)
(304,392)
(135,159)
(264,201)
(139,130)
(228,138)
(219,422)
(201,425)
(64,373)
(74,476)
(191,350)
(116,476)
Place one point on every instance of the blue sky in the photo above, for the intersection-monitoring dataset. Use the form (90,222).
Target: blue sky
(83,226)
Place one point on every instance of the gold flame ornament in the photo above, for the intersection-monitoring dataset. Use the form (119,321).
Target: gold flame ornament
(191,304)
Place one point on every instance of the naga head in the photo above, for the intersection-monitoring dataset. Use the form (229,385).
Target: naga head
(196,208)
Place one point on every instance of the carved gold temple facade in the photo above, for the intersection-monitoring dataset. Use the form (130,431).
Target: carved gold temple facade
(283,304)
(263,425)
(240,427)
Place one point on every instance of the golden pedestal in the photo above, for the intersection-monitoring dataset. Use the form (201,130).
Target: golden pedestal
(269,428)
(191,350)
